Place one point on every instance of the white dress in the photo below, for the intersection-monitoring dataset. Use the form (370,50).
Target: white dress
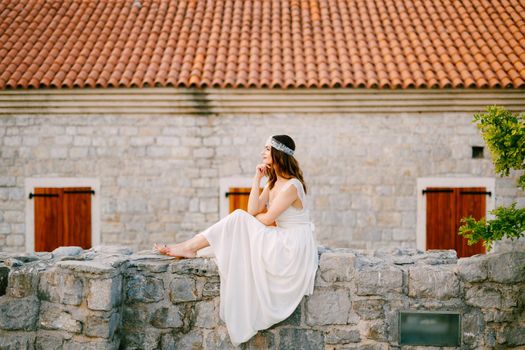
(264,271)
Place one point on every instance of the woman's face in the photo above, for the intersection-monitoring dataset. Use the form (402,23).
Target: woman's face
(266,155)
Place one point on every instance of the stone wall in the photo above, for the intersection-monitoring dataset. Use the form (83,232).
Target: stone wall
(108,297)
(159,175)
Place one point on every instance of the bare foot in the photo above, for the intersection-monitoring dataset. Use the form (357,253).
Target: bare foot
(161,248)
(180,250)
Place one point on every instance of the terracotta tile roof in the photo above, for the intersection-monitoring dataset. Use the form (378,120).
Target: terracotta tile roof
(262,43)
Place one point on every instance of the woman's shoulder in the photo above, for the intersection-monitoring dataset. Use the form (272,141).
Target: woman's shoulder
(296,182)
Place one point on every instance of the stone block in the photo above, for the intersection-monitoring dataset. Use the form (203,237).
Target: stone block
(91,267)
(337,266)
(203,152)
(342,335)
(484,297)
(379,280)
(22,283)
(472,327)
(17,341)
(154,265)
(14,240)
(377,330)
(191,340)
(101,326)
(183,289)
(112,249)
(60,287)
(167,317)
(158,151)
(144,289)
(49,341)
(438,257)
(78,152)
(206,315)
(211,288)
(104,294)
(67,251)
(325,307)
(429,282)
(58,152)
(208,205)
(86,343)
(368,309)
(7,181)
(506,267)
(305,339)
(54,317)
(19,313)
(514,335)
(472,269)
(376,346)
(495,315)
(199,267)
(218,339)
(136,316)
(262,340)
(147,339)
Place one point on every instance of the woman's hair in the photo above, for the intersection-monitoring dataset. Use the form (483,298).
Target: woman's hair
(286,165)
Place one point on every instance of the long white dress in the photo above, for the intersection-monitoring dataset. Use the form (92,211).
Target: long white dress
(264,271)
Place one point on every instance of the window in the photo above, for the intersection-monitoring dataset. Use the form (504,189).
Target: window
(445,206)
(63,210)
(62,217)
(477,152)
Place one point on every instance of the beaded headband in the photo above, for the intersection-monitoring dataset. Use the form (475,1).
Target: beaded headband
(280,146)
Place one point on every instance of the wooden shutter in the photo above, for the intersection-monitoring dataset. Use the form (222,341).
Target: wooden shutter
(238,198)
(77,217)
(441,218)
(445,208)
(48,220)
(470,202)
(62,217)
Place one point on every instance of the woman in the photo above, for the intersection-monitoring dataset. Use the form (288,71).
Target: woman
(264,270)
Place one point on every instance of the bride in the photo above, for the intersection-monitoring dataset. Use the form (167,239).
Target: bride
(267,260)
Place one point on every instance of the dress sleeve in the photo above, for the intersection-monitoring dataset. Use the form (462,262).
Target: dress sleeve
(300,190)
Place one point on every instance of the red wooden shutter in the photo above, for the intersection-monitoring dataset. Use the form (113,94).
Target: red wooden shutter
(48,219)
(470,202)
(77,217)
(238,198)
(445,209)
(62,218)
(441,218)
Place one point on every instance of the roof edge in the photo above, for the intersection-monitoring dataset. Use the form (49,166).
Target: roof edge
(173,101)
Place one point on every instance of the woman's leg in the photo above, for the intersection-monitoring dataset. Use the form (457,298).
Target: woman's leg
(186,249)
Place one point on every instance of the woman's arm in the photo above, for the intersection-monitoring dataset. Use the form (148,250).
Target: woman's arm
(283,200)
(257,202)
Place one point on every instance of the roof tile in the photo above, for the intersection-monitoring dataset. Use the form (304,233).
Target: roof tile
(259,43)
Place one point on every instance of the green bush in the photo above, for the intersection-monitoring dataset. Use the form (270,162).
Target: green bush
(504,133)
(509,222)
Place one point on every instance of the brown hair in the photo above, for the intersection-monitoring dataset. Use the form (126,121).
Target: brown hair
(286,165)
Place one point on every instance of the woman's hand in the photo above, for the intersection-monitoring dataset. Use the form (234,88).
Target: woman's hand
(261,170)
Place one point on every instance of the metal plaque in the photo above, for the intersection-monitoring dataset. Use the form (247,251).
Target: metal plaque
(434,328)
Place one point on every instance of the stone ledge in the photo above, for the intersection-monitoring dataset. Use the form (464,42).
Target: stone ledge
(110,298)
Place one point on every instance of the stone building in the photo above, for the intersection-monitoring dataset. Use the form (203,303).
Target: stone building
(149,112)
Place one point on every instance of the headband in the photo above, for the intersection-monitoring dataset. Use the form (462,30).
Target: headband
(280,146)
